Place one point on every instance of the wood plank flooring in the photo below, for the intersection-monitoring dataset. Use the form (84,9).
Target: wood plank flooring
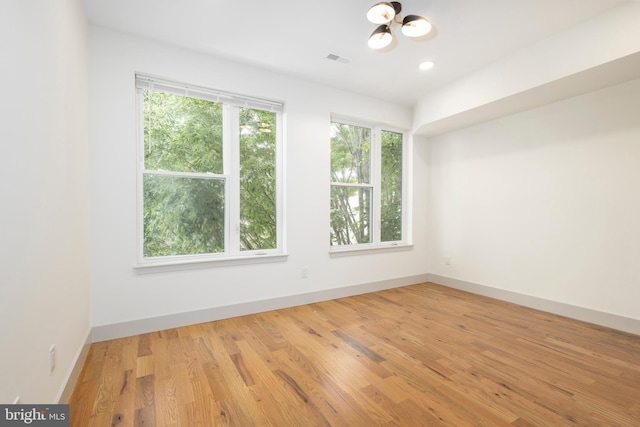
(414,356)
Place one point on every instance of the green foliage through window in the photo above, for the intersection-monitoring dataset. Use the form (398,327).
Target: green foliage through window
(257,179)
(366,188)
(183,216)
(350,192)
(391,187)
(182,134)
(188,176)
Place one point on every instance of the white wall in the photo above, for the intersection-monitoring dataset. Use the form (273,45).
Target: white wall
(44,279)
(594,54)
(119,294)
(544,203)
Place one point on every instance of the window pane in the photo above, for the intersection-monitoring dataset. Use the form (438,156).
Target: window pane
(391,187)
(350,154)
(182,134)
(183,215)
(257,179)
(350,215)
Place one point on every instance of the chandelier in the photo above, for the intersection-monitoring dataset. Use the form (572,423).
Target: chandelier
(386,15)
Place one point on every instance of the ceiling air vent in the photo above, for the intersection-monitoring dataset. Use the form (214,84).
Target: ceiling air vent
(338,58)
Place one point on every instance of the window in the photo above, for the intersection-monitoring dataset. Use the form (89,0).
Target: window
(368,201)
(209,173)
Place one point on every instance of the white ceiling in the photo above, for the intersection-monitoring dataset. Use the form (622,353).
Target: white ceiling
(294,37)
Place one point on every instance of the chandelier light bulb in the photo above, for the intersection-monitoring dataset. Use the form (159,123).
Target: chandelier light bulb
(415,26)
(383,12)
(380,38)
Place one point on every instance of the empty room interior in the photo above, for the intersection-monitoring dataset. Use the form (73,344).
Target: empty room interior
(322,213)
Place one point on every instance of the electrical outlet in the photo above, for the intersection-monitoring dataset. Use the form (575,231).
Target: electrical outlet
(52,359)
(304,272)
(447,261)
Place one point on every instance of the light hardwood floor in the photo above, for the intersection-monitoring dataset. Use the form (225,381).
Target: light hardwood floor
(413,356)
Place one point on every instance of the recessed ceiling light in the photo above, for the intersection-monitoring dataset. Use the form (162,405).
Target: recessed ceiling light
(427,65)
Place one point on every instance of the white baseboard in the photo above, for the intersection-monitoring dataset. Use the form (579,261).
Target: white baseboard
(74,371)
(141,326)
(609,320)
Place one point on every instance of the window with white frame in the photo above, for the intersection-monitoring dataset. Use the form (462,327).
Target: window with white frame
(368,195)
(209,173)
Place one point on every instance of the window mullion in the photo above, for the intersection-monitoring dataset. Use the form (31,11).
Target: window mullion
(376,180)
(184,174)
(232,170)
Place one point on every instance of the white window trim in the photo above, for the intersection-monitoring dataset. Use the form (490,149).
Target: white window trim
(231,162)
(376,245)
(190,262)
(340,251)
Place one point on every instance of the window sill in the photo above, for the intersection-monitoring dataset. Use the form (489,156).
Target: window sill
(366,249)
(147,267)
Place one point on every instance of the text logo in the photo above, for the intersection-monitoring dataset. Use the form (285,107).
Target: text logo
(34,415)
